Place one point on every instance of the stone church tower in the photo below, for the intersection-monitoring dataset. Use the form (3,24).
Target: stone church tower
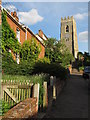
(69,34)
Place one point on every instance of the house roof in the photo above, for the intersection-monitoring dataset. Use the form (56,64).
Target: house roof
(41,39)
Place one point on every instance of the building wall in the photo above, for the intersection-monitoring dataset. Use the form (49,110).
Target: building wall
(42,53)
(75,39)
(14,27)
(29,35)
(23,35)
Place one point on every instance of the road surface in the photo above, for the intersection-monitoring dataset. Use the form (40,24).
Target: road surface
(72,102)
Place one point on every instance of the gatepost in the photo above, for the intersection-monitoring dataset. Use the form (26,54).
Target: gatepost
(45,95)
(36,93)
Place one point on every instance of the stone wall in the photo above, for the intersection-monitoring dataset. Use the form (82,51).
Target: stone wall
(70,37)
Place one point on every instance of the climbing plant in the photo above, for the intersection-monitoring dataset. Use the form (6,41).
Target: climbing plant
(9,40)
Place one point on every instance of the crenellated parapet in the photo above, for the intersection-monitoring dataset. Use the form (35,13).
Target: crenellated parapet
(67,18)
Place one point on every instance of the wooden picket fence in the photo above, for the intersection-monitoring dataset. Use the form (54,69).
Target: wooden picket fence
(15,91)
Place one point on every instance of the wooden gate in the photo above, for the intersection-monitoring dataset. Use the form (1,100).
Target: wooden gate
(15,91)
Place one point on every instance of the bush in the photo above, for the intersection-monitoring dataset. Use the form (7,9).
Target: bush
(32,67)
(51,69)
(44,60)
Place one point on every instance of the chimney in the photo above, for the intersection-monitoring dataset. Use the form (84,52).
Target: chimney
(14,14)
(40,32)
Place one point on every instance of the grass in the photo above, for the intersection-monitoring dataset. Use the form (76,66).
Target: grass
(38,78)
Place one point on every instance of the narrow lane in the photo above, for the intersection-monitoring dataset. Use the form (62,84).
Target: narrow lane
(72,101)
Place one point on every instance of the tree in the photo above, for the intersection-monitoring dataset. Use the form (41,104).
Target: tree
(30,50)
(57,52)
(86,59)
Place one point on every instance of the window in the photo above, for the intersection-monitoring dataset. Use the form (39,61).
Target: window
(67,28)
(67,39)
(18,34)
(17,58)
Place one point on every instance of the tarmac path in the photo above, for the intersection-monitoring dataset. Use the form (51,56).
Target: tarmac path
(72,101)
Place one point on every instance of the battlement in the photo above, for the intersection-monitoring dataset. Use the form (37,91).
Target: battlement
(68,18)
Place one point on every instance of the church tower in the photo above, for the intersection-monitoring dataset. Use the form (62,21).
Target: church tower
(69,34)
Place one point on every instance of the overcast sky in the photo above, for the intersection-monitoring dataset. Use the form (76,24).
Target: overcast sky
(47,16)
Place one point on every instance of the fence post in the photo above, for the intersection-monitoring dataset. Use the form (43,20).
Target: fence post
(54,92)
(45,95)
(36,93)
(51,81)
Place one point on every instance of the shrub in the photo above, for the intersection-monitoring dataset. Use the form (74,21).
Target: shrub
(44,60)
(51,69)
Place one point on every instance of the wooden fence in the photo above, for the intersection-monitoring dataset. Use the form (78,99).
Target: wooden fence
(15,91)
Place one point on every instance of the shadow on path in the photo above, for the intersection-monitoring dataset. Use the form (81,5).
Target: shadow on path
(72,102)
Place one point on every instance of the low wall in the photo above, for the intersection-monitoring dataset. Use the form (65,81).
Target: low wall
(25,109)
(54,90)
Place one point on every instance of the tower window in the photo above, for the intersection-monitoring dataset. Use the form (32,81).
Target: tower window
(67,28)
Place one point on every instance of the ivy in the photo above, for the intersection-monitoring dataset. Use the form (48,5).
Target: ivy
(9,40)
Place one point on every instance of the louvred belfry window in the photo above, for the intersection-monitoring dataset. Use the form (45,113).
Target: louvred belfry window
(67,28)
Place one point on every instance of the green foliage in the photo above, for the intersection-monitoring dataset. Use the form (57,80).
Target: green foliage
(9,40)
(4,107)
(81,68)
(80,55)
(57,52)
(54,69)
(83,59)
(8,64)
(30,50)
(86,59)
(44,60)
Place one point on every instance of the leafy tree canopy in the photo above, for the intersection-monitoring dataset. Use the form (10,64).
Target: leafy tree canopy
(57,52)
(30,50)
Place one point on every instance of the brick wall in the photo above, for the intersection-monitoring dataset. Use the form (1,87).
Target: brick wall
(42,53)
(29,35)
(14,25)
(25,109)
